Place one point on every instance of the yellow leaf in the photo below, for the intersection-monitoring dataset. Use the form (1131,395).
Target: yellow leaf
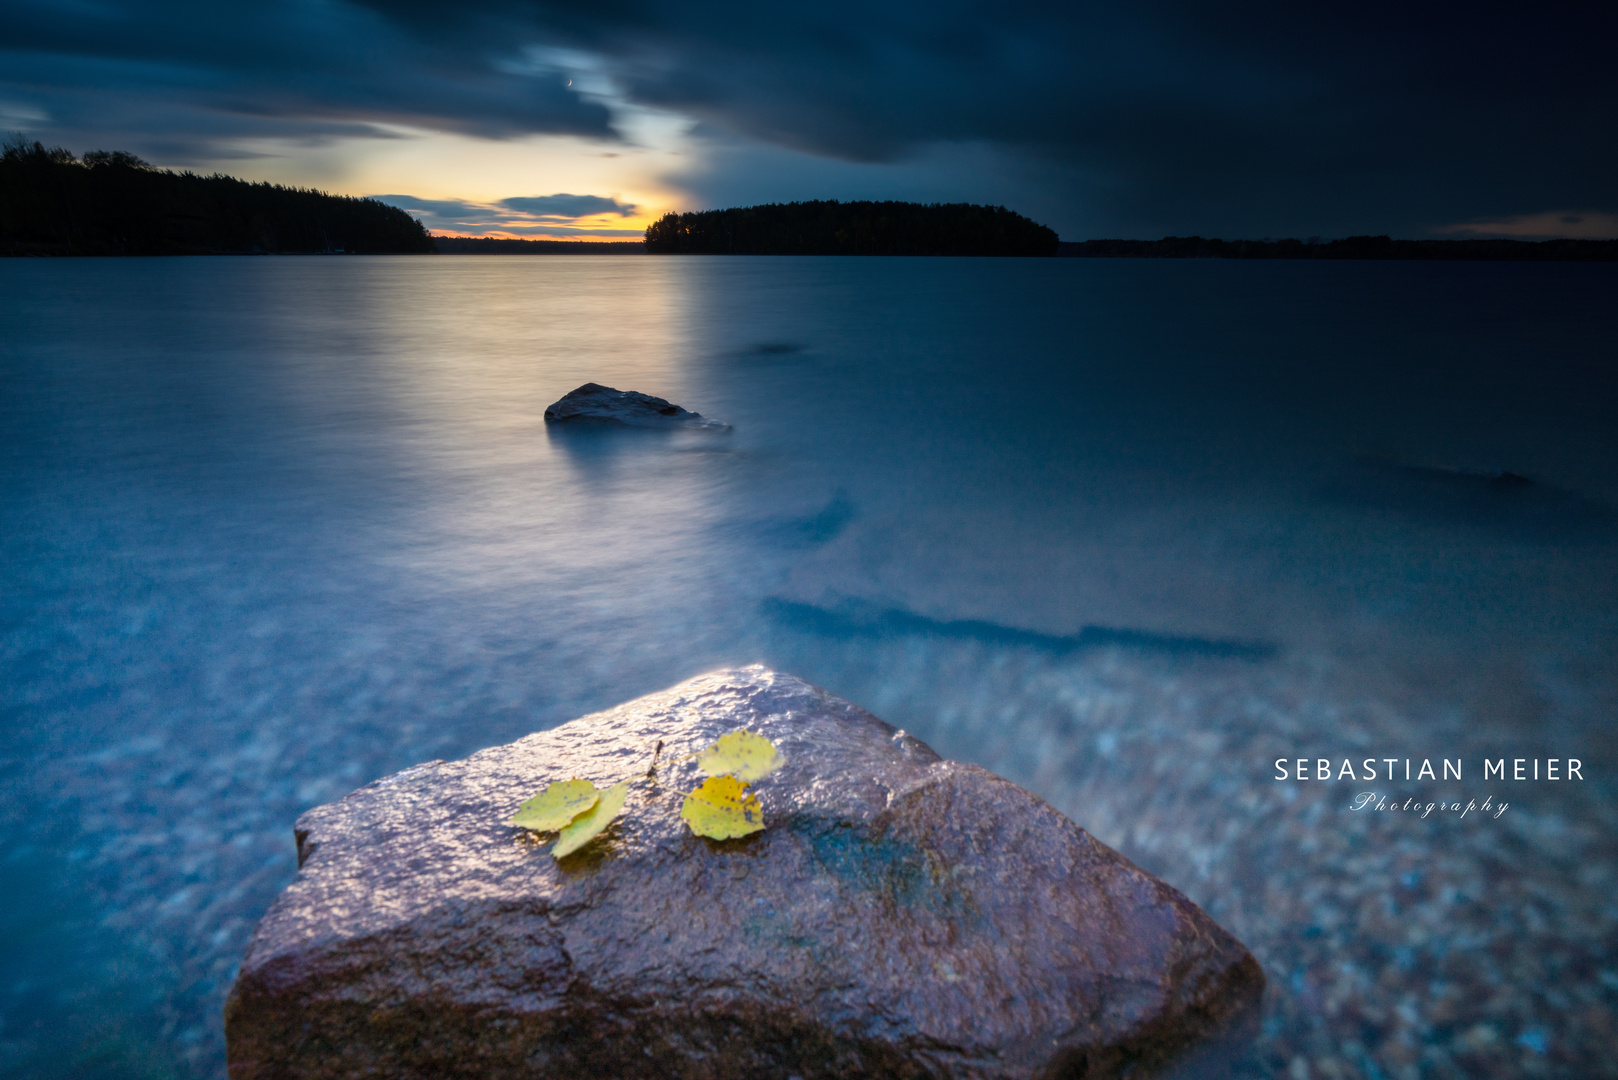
(557,805)
(722,808)
(588,825)
(743,755)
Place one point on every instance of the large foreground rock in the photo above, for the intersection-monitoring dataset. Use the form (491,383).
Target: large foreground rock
(594,404)
(901,916)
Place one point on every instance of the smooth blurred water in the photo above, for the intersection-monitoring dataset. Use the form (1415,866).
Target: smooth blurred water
(275,527)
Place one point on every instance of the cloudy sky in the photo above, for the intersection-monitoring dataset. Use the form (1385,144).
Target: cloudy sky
(1145,118)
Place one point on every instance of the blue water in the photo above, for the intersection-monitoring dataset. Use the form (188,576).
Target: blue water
(1124,531)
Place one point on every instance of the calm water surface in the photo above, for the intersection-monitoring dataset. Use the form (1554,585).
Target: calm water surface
(1123,531)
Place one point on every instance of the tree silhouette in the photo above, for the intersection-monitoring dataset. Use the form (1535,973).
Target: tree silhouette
(111,202)
(853,228)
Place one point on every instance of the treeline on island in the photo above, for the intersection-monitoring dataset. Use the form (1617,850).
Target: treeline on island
(113,203)
(829,227)
(1353,247)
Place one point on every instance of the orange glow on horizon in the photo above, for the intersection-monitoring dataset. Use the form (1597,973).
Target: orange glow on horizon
(604,228)
(500,235)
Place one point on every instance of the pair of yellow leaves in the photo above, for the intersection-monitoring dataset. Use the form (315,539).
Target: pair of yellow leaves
(723,807)
(573,809)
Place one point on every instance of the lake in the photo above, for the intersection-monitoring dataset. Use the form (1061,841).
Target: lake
(1123,531)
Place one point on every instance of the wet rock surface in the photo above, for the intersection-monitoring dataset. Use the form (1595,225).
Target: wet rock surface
(593,404)
(900,916)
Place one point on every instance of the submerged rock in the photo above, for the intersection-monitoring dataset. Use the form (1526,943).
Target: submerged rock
(1494,499)
(593,403)
(900,916)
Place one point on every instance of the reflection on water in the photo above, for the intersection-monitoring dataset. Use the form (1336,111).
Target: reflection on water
(1122,531)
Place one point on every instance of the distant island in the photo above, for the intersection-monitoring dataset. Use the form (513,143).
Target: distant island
(1353,247)
(829,227)
(113,203)
(1172,247)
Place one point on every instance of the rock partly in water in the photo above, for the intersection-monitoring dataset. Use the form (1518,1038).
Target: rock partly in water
(593,403)
(900,916)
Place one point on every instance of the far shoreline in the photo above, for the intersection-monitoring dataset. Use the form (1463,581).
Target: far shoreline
(1351,249)
(1354,248)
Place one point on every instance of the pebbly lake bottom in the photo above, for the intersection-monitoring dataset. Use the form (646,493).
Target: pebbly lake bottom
(1124,533)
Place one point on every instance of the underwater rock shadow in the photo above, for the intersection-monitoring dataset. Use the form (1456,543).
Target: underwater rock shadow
(1495,500)
(829,523)
(819,528)
(859,620)
(797,533)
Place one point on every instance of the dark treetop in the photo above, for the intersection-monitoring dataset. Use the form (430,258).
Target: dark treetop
(851,228)
(112,203)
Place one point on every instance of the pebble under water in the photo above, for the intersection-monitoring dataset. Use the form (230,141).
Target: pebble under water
(1123,531)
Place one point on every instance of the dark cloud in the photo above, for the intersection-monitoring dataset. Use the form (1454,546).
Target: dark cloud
(552,207)
(443,209)
(522,229)
(1256,116)
(550,215)
(189,76)
(1149,117)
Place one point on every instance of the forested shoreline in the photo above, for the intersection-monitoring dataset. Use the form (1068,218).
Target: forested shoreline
(829,227)
(113,203)
(1353,247)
